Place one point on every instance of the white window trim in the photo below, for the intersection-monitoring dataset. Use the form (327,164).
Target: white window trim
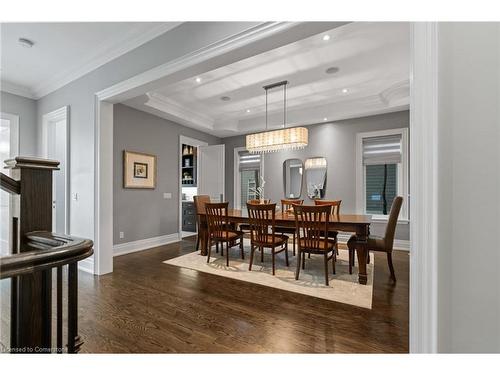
(237,179)
(402,171)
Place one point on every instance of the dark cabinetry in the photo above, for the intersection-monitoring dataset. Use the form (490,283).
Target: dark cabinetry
(188,217)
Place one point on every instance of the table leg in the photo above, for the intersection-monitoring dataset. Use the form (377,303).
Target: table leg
(202,232)
(362,259)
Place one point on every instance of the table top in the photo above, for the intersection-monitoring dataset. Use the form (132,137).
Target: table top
(285,216)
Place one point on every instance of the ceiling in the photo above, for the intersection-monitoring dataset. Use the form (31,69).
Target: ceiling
(63,52)
(373,62)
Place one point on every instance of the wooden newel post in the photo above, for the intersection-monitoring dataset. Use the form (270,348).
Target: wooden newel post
(31,332)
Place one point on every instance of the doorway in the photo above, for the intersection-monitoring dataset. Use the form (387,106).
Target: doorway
(55,146)
(9,148)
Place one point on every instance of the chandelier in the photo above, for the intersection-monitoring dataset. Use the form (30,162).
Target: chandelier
(277,140)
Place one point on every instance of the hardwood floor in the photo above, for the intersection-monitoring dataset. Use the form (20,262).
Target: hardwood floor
(146,306)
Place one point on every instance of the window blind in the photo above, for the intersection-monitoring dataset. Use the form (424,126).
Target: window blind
(382,150)
(248,161)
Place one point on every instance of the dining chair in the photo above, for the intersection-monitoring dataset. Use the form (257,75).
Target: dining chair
(287,207)
(376,243)
(220,231)
(263,232)
(335,205)
(201,222)
(246,227)
(311,224)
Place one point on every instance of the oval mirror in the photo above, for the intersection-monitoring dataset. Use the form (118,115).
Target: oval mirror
(316,177)
(292,177)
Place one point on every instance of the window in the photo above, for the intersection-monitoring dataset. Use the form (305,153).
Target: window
(382,165)
(248,170)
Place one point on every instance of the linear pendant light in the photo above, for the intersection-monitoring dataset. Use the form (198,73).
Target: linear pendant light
(277,140)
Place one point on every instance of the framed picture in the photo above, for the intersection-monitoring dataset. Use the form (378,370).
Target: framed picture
(139,170)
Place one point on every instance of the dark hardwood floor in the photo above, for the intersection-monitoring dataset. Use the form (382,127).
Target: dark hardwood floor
(146,306)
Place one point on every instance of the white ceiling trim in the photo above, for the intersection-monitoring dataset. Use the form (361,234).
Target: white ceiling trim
(16,89)
(102,55)
(170,107)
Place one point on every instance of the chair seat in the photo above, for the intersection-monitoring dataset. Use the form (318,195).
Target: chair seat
(278,240)
(375,243)
(330,245)
(227,236)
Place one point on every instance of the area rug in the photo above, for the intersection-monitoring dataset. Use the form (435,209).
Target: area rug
(343,288)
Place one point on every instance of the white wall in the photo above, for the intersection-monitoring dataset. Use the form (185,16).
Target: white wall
(469,184)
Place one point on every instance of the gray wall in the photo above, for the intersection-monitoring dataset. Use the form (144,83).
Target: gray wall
(79,95)
(337,143)
(468,186)
(143,213)
(26,110)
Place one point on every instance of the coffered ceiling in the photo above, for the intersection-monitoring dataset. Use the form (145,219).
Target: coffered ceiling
(351,71)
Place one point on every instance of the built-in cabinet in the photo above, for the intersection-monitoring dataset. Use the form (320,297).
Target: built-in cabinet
(188,217)
(189,165)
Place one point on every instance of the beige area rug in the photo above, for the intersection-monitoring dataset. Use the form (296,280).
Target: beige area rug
(343,288)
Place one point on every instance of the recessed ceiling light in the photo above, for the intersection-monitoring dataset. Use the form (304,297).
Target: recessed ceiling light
(326,37)
(344,91)
(248,111)
(26,43)
(325,119)
(225,98)
(332,70)
(198,79)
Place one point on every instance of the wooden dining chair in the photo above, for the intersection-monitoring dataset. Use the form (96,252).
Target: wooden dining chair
(245,226)
(263,233)
(311,224)
(287,207)
(220,231)
(376,243)
(201,222)
(335,205)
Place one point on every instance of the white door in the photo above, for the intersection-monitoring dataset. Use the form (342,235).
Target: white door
(9,148)
(56,148)
(211,172)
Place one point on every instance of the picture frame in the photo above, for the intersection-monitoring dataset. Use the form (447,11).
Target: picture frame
(139,170)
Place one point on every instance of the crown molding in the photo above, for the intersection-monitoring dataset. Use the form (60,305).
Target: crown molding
(400,91)
(103,54)
(16,89)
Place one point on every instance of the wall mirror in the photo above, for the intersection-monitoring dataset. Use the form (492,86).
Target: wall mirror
(316,177)
(292,177)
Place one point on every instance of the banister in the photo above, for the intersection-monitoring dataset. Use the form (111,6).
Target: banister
(53,251)
(9,184)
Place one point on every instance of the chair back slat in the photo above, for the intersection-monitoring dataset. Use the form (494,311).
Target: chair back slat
(311,224)
(334,204)
(287,204)
(217,219)
(260,215)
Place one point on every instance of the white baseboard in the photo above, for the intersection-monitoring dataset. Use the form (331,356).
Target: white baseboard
(147,243)
(87,265)
(398,244)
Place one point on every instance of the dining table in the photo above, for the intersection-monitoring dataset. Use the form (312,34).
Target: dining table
(356,224)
